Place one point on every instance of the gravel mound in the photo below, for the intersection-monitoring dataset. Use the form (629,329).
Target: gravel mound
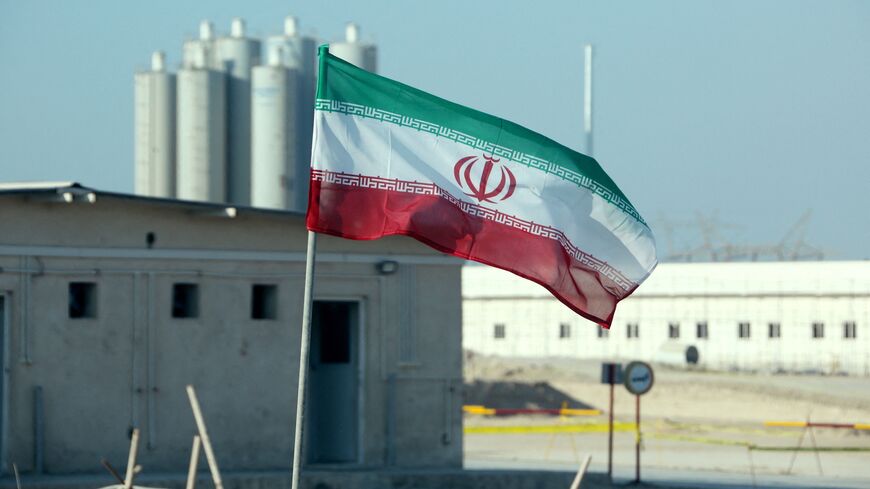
(518,395)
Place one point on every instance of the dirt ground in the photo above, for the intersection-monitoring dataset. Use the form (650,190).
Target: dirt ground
(691,420)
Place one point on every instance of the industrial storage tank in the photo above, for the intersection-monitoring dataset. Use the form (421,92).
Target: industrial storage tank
(355,52)
(237,54)
(201,171)
(214,135)
(299,53)
(276,181)
(201,52)
(677,354)
(155,130)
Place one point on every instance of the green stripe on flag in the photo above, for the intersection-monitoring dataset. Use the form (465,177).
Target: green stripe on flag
(351,90)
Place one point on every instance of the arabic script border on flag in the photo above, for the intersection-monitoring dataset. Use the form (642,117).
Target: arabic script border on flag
(357,110)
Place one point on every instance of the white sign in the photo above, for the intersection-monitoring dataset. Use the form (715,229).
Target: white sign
(638,378)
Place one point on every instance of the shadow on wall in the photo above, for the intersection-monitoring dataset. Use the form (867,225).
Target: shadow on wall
(518,395)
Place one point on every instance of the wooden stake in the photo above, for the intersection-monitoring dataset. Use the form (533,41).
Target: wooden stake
(112,470)
(194,462)
(131,459)
(579,477)
(206,442)
(17,479)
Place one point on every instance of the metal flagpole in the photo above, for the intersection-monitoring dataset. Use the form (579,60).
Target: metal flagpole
(637,439)
(307,302)
(612,373)
(303,357)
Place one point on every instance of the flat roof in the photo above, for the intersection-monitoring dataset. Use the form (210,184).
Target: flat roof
(70,191)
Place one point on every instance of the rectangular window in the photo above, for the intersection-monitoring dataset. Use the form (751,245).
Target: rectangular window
(818,330)
(850,330)
(603,333)
(701,330)
(564,331)
(82,300)
(498,332)
(773,330)
(264,301)
(185,300)
(743,330)
(631,330)
(673,330)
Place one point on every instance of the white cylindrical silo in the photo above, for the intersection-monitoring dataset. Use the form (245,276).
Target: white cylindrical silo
(299,53)
(155,130)
(275,179)
(237,54)
(354,51)
(201,161)
(202,51)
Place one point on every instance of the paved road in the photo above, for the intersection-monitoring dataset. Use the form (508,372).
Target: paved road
(669,463)
(686,478)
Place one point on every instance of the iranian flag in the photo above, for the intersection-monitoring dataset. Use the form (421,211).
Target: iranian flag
(390,159)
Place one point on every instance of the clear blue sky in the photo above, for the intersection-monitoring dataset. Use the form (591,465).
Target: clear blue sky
(757,110)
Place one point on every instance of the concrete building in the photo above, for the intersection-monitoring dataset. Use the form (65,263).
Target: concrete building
(774,316)
(111,303)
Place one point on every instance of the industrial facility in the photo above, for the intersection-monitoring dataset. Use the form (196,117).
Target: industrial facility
(229,128)
(799,317)
(110,304)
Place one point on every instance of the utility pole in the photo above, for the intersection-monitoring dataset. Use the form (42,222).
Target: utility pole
(587,97)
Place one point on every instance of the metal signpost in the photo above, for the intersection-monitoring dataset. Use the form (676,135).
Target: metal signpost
(611,373)
(638,380)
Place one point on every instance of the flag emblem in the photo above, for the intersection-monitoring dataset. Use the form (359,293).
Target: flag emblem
(493,182)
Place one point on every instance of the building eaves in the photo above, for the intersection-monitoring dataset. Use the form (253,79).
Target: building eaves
(73,190)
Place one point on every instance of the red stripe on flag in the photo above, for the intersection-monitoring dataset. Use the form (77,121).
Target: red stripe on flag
(367,213)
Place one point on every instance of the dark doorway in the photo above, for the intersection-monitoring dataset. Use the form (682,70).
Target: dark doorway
(332,413)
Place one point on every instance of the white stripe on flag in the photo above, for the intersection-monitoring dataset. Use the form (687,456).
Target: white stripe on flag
(358,145)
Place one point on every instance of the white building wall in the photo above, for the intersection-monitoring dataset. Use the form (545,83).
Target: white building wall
(792,294)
